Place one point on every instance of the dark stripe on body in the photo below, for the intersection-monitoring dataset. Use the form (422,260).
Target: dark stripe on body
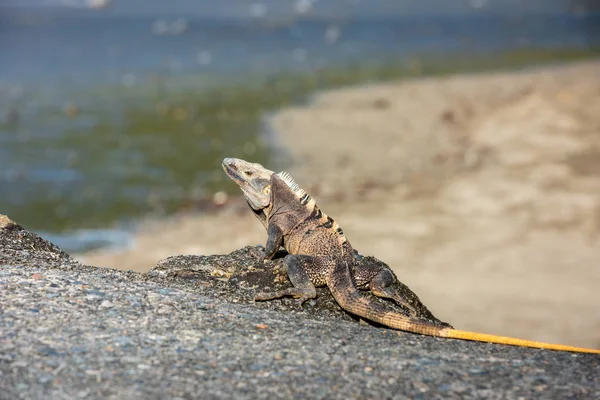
(304,199)
(314,214)
(328,224)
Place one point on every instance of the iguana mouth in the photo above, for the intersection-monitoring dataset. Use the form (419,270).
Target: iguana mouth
(231,170)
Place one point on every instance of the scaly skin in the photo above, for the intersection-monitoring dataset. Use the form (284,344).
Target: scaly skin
(319,254)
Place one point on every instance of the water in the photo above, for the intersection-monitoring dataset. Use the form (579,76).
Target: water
(79,47)
(111,116)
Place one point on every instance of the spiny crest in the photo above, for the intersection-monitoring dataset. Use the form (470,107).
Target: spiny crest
(287,178)
(306,200)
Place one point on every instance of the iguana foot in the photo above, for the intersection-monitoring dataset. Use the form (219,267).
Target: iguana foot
(257,252)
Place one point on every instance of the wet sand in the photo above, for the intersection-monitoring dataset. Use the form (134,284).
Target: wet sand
(481,191)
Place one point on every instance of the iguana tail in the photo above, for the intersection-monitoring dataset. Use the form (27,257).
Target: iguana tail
(484,337)
(362,307)
(344,291)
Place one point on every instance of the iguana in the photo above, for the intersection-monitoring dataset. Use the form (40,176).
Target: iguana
(319,254)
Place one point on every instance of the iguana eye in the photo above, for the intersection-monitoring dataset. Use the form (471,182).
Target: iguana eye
(267,189)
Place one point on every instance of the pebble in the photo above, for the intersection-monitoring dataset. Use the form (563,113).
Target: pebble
(106,304)
(130,360)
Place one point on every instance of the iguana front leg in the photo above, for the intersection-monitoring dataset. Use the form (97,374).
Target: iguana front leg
(274,240)
(303,289)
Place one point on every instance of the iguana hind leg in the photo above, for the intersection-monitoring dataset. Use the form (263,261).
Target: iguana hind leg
(303,289)
(384,285)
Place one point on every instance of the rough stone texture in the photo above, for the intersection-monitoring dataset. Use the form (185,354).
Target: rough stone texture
(190,329)
(239,275)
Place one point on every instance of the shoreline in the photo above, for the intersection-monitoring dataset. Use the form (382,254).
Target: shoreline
(194,129)
(495,230)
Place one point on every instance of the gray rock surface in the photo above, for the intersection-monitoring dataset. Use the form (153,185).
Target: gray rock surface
(189,329)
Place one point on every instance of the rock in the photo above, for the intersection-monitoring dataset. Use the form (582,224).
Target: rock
(6,223)
(190,326)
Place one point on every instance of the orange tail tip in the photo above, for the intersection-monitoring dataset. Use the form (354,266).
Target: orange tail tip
(484,337)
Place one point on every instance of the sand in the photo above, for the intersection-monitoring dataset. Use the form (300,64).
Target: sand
(482,192)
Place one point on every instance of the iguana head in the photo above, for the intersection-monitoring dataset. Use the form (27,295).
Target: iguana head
(253,179)
(277,200)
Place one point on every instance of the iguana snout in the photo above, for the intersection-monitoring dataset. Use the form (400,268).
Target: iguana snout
(253,179)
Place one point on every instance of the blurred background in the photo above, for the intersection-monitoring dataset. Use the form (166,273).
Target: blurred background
(114,110)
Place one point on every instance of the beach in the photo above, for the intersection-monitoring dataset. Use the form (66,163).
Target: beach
(481,191)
